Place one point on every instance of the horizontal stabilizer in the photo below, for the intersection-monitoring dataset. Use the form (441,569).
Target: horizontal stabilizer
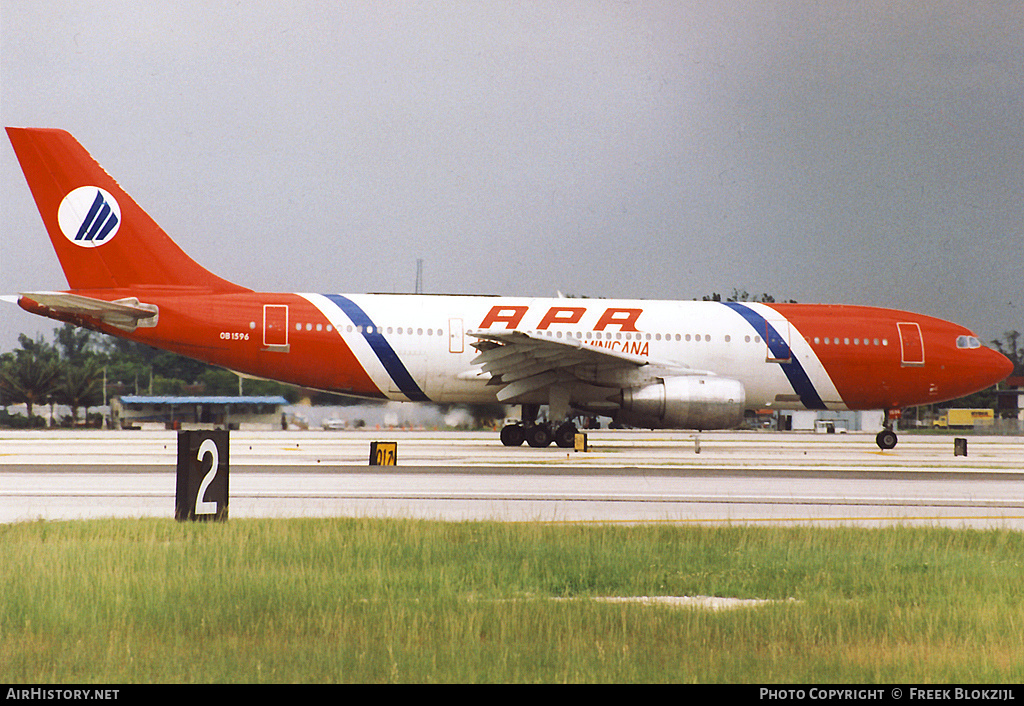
(126,314)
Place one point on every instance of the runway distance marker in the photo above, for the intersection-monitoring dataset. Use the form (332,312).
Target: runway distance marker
(580,442)
(383,453)
(201,489)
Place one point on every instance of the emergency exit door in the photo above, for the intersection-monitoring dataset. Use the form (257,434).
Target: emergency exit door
(911,344)
(776,338)
(275,327)
(455,338)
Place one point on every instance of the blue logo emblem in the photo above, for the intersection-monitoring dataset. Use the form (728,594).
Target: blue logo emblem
(89,216)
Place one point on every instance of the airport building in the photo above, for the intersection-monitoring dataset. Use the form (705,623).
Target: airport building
(830,421)
(198,412)
(1011,398)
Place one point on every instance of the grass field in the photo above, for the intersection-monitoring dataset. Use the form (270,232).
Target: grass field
(364,600)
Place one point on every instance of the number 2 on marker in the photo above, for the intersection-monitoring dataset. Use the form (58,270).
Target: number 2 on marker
(207,507)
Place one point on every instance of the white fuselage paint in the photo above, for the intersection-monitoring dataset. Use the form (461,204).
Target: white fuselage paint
(424,330)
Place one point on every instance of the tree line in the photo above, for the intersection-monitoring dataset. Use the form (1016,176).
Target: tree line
(81,369)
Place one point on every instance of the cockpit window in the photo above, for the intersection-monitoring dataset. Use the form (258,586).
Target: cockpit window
(967,342)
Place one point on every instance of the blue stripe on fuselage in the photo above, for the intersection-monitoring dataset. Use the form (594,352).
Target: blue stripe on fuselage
(780,349)
(383,350)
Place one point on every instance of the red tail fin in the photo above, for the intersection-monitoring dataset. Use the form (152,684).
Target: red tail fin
(103,239)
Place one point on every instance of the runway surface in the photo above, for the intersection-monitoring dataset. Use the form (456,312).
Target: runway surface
(626,476)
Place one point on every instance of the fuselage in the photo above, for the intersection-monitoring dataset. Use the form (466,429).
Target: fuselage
(419,347)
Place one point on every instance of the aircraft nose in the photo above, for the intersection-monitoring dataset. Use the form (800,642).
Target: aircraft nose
(1001,366)
(980,369)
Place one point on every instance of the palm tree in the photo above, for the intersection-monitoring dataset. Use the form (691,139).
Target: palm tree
(79,386)
(29,374)
(73,344)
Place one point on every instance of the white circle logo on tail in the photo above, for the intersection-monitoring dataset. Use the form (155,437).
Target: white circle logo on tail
(89,216)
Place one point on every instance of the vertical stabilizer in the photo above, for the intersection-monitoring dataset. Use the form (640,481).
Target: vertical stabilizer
(103,239)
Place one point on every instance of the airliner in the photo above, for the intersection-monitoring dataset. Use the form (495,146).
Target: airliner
(644,363)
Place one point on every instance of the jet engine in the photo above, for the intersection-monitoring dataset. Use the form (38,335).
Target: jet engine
(684,402)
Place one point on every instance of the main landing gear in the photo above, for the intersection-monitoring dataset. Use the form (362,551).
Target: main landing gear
(538,434)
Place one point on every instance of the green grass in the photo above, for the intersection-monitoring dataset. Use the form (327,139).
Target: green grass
(363,600)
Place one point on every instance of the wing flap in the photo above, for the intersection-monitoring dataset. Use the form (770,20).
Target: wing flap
(523,363)
(525,371)
(526,385)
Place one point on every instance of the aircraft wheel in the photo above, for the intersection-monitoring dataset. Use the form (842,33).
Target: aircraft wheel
(886,439)
(565,435)
(539,436)
(513,435)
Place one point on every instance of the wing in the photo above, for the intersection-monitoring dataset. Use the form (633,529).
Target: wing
(523,363)
(127,314)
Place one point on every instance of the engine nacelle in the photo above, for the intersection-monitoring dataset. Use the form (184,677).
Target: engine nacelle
(684,402)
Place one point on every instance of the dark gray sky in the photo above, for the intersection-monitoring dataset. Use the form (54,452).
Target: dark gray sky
(854,152)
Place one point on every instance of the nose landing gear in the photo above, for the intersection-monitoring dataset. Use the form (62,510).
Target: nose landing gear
(886,439)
